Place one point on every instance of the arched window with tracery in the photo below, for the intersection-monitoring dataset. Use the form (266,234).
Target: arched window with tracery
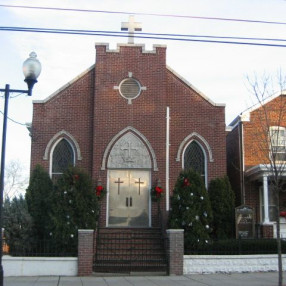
(194,158)
(62,157)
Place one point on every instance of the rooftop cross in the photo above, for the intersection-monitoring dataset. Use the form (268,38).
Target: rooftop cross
(131,26)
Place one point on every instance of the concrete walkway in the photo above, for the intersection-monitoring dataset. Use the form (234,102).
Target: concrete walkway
(238,279)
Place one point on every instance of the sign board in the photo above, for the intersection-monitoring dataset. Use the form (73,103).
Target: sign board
(244,221)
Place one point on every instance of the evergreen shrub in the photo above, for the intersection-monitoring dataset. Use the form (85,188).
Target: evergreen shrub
(222,201)
(191,209)
(75,206)
(39,202)
(238,247)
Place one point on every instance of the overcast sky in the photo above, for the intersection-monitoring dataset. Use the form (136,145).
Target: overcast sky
(217,70)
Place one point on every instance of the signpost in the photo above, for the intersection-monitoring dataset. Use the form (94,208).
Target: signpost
(244,220)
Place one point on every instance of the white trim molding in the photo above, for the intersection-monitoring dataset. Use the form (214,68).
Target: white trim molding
(62,135)
(65,86)
(188,139)
(142,46)
(141,137)
(194,88)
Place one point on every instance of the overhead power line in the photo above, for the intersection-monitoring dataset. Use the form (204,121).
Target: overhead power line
(173,37)
(14,121)
(146,14)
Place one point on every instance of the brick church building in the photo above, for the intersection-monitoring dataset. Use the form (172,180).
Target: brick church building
(131,122)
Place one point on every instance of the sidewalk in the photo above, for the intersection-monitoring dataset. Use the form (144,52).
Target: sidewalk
(237,279)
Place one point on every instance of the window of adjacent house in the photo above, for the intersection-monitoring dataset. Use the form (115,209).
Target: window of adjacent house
(194,158)
(62,158)
(271,204)
(278,143)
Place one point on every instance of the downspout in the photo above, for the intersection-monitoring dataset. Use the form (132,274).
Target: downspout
(167,158)
(242,167)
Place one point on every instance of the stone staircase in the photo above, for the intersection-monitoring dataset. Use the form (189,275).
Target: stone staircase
(129,250)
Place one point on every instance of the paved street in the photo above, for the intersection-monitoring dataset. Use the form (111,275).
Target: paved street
(245,279)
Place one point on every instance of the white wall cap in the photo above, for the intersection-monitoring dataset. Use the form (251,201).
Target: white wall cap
(86,230)
(117,50)
(64,86)
(245,115)
(194,88)
(174,230)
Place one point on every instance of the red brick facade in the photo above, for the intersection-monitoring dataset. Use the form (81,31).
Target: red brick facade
(85,252)
(92,112)
(175,251)
(248,155)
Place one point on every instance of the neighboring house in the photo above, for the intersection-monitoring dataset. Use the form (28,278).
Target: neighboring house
(130,121)
(251,141)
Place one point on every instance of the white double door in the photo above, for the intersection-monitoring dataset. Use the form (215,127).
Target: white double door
(129,198)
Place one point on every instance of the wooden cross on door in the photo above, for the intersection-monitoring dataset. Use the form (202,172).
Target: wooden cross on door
(139,182)
(118,182)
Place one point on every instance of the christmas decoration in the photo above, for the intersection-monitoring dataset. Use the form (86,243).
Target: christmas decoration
(157,192)
(99,190)
(191,209)
(73,202)
(283,213)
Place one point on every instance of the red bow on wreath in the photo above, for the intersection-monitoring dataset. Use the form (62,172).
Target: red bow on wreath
(283,213)
(98,190)
(186,182)
(158,191)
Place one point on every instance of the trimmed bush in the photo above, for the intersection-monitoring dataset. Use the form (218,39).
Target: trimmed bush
(238,247)
(222,202)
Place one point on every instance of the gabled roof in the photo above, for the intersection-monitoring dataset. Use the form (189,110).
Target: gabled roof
(192,87)
(245,115)
(65,86)
(90,68)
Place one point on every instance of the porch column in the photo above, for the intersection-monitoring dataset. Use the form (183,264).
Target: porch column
(265,199)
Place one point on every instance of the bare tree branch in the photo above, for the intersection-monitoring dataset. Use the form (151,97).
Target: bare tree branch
(269,137)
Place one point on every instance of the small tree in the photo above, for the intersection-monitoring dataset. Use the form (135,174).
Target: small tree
(39,199)
(16,180)
(222,202)
(74,207)
(17,224)
(191,209)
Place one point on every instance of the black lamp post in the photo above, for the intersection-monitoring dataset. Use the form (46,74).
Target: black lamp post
(31,70)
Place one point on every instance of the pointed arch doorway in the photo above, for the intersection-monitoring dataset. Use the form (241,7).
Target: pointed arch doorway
(129,177)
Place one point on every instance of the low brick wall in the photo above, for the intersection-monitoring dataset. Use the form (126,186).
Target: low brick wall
(231,263)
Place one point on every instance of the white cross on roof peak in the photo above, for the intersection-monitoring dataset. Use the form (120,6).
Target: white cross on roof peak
(131,26)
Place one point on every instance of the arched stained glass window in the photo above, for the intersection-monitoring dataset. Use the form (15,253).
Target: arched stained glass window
(62,158)
(194,158)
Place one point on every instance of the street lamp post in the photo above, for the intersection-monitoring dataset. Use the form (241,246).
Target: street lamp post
(31,70)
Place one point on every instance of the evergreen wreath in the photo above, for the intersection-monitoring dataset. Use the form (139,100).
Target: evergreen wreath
(99,190)
(157,192)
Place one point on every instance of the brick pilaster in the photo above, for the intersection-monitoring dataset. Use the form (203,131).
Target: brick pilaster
(85,251)
(175,251)
(267,231)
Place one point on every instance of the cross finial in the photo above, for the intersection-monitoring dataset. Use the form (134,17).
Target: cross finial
(131,26)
